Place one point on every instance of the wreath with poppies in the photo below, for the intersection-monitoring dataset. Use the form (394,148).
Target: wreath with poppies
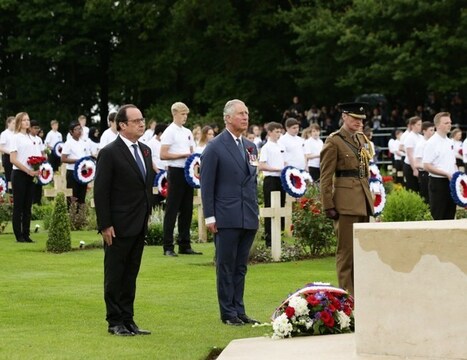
(3,186)
(57,149)
(160,181)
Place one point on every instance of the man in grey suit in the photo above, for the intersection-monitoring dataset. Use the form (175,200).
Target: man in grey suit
(230,203)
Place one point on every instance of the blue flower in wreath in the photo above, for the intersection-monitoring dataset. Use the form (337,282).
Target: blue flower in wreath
(85,170)
(192,171)
(294,181)
(160,181)
(458,185)
(57,149)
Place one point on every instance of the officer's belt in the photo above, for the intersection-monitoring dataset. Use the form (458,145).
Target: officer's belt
(347,173)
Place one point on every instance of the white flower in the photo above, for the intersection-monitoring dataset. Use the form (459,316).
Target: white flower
(300,305)
(282,327)
(343,320)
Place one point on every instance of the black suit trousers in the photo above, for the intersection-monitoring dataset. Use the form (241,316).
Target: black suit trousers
(179,202)
(122,261)
(442,205)
(232,252)
(23,189)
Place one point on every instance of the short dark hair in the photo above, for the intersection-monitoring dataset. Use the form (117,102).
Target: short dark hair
(291,122)
(73,124)
(273,126)
(121,117)
(33,123)
(160,128)
(426,125)
(111,116)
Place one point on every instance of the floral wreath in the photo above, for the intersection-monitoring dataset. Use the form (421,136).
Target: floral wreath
(294,181)
(57,150)
(379,195)
(192,165)
(317,308)
(161,182)
(458,185)
(85,170)
(374,171)
(3,186)
(46,173)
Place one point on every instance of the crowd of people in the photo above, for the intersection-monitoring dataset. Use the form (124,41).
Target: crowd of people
(424,160)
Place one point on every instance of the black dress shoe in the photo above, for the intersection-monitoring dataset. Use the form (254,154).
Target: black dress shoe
(20,240)
(189,252)
(235,321)
(136,330)
(248,320)
(120,330)
(170,253)
(28,240)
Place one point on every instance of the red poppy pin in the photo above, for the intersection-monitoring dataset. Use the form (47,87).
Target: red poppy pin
(146,152)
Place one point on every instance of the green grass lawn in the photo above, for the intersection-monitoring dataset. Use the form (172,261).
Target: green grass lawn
(52,307)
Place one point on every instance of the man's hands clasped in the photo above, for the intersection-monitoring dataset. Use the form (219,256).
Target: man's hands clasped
(332,214)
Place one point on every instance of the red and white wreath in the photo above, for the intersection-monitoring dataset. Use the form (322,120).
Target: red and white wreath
(85,170)
(192,166)
(57,150)
(161,182)
(3,186)
(458,185)
(46,173)
(294,181)
(379,195)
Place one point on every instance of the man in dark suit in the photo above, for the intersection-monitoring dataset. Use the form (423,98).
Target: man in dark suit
(230,202)
(123,197)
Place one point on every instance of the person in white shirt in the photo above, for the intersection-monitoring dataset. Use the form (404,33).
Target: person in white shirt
(93,141)
(313,146)
(85,130)
(410,141)
(51,139)
(177,144)
(456,137)
(207,134)
(75,149)
(111,133)
(34,131)
(293,144)
(428,129)
(6,138)
(440,162)
(271,163)
(157,164)
(394,146)
(22,148)
(149,133)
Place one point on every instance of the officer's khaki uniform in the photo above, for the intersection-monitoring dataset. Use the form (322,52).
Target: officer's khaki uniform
(344,186)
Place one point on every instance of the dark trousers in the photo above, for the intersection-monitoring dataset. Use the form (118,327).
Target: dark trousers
(423,183)
(37,194)
(23,188)
(399,167)
(54,161)
(179,203)
(411,182)
(78,190)
(442,206)
(270,184)
(314,172)
(232,251)
(7,167)
(122,261)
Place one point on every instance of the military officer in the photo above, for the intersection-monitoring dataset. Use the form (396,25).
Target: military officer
(345,191)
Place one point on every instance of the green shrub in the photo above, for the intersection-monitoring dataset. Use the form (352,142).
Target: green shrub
(78,216)
(40,212)
(405,205)
(59,239)
(155,235)
(6,214)
(312,230)
(461,213)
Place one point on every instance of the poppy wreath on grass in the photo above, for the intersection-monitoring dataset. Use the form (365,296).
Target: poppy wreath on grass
(192,175)
(3,186)
(57,149)
(85,170)
(46,173)
(160,181)
(294,181)
(458,185)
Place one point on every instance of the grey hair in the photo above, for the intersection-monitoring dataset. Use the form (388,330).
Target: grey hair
(229,106)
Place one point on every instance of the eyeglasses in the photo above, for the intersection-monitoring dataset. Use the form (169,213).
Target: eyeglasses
(141,120)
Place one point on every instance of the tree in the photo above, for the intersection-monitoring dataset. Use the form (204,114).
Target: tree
(59,239)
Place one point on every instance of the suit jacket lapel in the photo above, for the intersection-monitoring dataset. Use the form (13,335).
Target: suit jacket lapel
(232,148)
(129,157)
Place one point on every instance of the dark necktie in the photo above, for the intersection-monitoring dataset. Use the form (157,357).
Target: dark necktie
(139,162)
(240,148)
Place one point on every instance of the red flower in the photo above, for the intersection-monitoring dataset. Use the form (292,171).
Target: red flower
(347,310)
(387,178)
(250,150)
(146,153)
(312,300)
(289,311)
(36,161)
(327,319)
(315,210)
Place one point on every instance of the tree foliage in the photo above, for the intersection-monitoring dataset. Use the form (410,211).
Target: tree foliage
(63,58)
(59,239)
